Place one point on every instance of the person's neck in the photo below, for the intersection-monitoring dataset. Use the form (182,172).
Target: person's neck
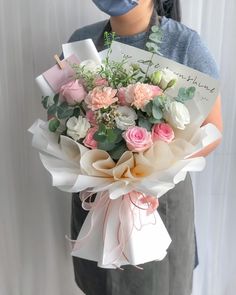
(134,22)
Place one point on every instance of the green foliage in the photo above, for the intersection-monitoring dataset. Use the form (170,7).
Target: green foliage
(118,150)
(107,138)
(53,125)
(64,111)
(142,122)
(185,94)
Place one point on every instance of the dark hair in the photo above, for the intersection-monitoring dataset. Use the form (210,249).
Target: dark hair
(169,8)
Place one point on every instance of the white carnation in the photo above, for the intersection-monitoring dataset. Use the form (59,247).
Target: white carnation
(177,115)
(77,128)
(126,117)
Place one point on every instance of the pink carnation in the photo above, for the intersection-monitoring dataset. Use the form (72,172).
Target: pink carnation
(100,82)
(91,117)
(73,92)
(101,97)
(138,139)
(138,94)
(121,96)
(162,131)
(89,141)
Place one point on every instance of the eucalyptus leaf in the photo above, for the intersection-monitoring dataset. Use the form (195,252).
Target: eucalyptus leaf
(111,136)
(45,101)
(76,112)
(155,29)
(53,125)
(99,137)
(106,146)
(148,108)
(64,113)
(152,47)
(117,152)
(52,110)
(145,124)
(154,37)
(155,121)
(56,98)
(157,112)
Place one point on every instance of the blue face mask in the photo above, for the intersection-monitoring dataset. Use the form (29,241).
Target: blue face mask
(115,7)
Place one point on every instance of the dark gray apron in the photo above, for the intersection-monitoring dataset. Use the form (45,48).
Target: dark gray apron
(171,276)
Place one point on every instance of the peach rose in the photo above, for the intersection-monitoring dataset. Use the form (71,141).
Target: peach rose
(89,141)
(162,131)
(138,139)
(101,97)
(73,92)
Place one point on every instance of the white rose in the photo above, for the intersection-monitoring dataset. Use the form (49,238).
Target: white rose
(90,65)
(77,127)
(126,117)
(177,115)
(168,78)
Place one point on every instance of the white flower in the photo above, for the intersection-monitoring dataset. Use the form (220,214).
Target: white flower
(177,115)
(168,79)
(90,65)
(126,117)
(77,127)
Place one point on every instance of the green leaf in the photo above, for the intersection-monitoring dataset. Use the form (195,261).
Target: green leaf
(148,108)
(99,137)
(56,98)
(52,110)
(111,135)
(53,125)
(106,146)
(145,123)
(45,101)
(64,113)
(102,129)
(186,94)
(117,152)
(76,112)
(152,47)
(155,29)
(191,92)
(157,112)
(155,121)
(154,37)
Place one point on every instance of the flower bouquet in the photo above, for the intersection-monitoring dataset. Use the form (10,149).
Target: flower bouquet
(123,126)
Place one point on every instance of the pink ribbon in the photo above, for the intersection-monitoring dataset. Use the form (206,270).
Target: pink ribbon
(131,204)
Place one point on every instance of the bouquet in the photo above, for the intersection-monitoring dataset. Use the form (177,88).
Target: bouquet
(123,126)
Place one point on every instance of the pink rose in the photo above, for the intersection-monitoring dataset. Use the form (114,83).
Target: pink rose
(138,94)
(89,141)
(91,117)
(101,97)
(162,131)
(73,92)
(138,139)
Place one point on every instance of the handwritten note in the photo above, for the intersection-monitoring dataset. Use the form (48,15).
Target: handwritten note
(207,88)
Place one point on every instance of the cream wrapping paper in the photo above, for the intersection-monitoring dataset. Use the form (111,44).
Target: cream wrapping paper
(75,168)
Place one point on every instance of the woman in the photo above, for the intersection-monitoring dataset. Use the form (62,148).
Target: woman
(131,20)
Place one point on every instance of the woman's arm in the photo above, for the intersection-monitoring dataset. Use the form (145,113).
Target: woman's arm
(215,117)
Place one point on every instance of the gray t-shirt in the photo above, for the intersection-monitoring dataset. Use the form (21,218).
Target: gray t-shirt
(179,43)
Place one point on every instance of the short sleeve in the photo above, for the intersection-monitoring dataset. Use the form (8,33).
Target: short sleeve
(200,58)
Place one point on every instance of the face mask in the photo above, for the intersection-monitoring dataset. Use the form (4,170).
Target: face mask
(115,7)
